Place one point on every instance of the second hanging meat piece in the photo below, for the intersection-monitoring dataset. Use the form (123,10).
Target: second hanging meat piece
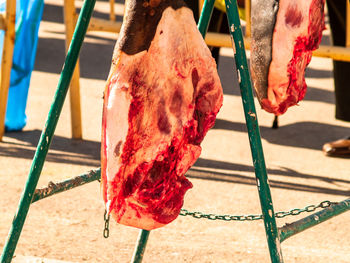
(284,34)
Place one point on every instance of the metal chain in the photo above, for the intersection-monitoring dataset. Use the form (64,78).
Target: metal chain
(198,215)
(293,212)
(106,229)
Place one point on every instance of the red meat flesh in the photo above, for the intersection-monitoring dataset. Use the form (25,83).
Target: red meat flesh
(159,104)
(297,32)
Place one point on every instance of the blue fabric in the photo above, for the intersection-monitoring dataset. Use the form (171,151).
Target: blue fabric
(28,17)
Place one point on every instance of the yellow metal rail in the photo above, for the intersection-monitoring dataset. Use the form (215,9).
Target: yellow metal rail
(74,90)
(224,40)
(8,24)
(2,20)
(333,52)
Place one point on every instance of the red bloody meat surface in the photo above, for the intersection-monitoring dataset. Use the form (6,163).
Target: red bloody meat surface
(283,39)
(161,98)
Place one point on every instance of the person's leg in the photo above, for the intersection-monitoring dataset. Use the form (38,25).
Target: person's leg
(341,71)
(337,15)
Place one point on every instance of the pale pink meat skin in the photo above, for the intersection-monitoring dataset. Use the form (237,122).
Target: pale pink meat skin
(159,105)
(297,32)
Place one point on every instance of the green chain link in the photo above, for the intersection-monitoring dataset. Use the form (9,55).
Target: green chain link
(198,215)
(293,212)
(106,228)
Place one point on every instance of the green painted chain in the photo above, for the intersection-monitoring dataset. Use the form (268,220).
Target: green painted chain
(106,229)
(293,212)
(184,212)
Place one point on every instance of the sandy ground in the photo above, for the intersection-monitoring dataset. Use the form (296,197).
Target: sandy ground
(68,226)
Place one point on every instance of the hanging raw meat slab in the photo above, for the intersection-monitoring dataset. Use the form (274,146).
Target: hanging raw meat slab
(162,96)
(284,34)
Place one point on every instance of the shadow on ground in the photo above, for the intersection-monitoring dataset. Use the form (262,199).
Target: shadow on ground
(51,51)
(51,55)
(66,150)
(62,150)
(54,13)
(310,135)
(230,176)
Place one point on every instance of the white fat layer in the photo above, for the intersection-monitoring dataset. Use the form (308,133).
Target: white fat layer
(117,126)
(117,113)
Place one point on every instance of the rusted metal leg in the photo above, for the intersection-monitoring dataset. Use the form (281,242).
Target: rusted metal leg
(141,246)
(59,187)
(204,19)
(296,227)
(253,132)
(6,63)
(74,92)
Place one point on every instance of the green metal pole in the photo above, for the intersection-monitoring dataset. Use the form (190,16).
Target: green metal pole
(204,19)
(141,247)
(253,131)
(47,134)
(296,227)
